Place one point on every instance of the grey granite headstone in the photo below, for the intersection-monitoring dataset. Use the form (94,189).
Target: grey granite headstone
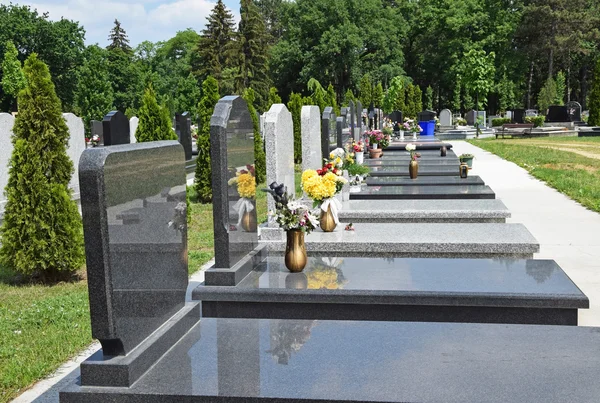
(312,155)
(396,117)
(133,200)
(76,147)
(279,147)
(96,129)
(338,130)
(574,111)
(344,113)
(358,129)
(232,151)
(184,134)
(470,118)
(133,125)
(352,118)
(445,118)
(328,131)
(115,128)
(7,122)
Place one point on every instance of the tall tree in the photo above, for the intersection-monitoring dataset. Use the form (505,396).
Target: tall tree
(318,94)
(126,79)
(365,90)
(42,230)
(331,99)
(478,71)
(409,106)
(206,107)
(378,95)
(547,95)
(253,69)
(429,98)
(118,38)
(594,104)
(272,12)
(155,121)
(561,88)
(418,100)
(13,78)
(260,161)
(295,107)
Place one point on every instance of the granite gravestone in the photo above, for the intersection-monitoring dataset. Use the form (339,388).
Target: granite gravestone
(328,131)
(344,114)
(279,147)
(557,113)
(310,127)
(76,147)
(397,119)
(352,118)
(133,125)
(470,118)
(371,114)
(115,128)
(133,203)
(426,116)
(7,122)
(338,130)
(574,111)
(184,134)
(96,130)
(518,116)
(445,118)
(358,129)
(232,155)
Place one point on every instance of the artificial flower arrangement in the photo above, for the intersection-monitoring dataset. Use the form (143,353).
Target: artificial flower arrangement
(291,214)
(357,147)
(246,188)
(94,141)
(379,138)
(322,185)
(411,125)
(413,155)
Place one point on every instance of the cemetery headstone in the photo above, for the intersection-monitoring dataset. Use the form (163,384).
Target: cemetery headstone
(96,129)
(531,112)
(574,111)
(338,131)
(471,115)
(7,122)
(115,128)
(445,118)
(133,125)
(396,117)
(482,114)
(328,131)
(519,116)
(279,147)
(344,114)
(359,121)
(426,116)
(557,113)
(352,118)
(76,147)
(232,152)
(184,134)
(312,154)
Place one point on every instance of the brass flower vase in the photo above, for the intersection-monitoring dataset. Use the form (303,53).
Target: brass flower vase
(327,223)
(295,251)
(249,221)
(413,169)
(463,170)
(443,151)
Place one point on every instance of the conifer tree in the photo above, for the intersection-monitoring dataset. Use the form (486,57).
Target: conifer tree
(155,122)
(331,99)
(42,231)
(348,96)
(13,78)
(318,94)
(418,99)
(547,95)
(253,41)
(378,95)
(274,98)
(260,162)
(410,102)
(365,92)
(594,103)
(118,38)
(400,103)
(206,107)
(561,88)
(295,107)
(216,48)
(429,98)
(456,97)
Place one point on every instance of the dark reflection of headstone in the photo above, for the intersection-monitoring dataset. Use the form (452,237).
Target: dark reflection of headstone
(352,122)
(184,133)
(232,153)
(326,132)
(540,270)
(238,357)
(115,128)
(288,337)
(135,233)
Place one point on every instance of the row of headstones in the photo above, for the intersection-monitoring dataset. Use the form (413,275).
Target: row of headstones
(116,129)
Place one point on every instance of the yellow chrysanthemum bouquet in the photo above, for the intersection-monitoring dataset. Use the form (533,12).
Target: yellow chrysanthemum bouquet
(246,183)
(321,186)
(246,187)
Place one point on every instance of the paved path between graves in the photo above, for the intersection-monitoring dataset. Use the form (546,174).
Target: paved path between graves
(567,232)
(46,390)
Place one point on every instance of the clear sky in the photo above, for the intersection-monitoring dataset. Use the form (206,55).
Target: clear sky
(153,20)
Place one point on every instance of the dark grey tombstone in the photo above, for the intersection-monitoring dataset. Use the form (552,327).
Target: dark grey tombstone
(518,116)
(396,116)
(338,130)
(134,217)
(352,118)
(557,113)
(372,115)
(231,150)
(344,114)
(359,121)
(328,126)
(115,128)
(96,129)
(574,111)
(426,116)
(470,118)
(184,133)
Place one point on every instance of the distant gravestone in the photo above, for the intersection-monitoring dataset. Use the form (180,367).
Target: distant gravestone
(96,129)
(574,111)
(352,118)
(133,125)
(482,114)
(115,128)
(133,200)
(339,133)
(557,113)
(7,122)
(471,116)
(279,147)
(310,127)
(397,119)
(232,151)
(531,112)
(184,134)
(76,147)
(445,118)
(425,116)
(328,131)
(359,121)
(344,114)
(372,115)
(518,116)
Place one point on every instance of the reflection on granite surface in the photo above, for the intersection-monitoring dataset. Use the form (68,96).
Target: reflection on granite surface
(425,192)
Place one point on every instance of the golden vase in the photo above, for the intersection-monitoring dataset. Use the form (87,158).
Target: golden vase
(327,222)
(249,221)
(295,251)
(413,169)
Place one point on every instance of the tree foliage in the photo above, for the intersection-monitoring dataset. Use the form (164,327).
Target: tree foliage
(260,161)
(13,78)
(118,38)
(155,121)
(318,94)
(365,91)
(42,230)
(331,99)
(295,107)
(547,95)
(378,95)
(561,89)
(428,98)
(594,118)
(478,71)
(206,107)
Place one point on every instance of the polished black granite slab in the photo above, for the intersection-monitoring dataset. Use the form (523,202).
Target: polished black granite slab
(424,192)
(424,181)
(401,289)
(421,145)
(424,170)
(251,360)
(378,162)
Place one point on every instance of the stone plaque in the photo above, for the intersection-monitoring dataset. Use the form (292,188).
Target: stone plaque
(279,147)
(397,119)
(115,128)
(445,118)
(133,125)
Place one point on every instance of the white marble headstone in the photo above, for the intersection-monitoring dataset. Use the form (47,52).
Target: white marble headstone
(7,122)
(279,146)
(76,147)
(445,118)
(310,118)
(133,125)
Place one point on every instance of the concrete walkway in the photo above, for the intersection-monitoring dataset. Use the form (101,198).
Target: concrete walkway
(567,232)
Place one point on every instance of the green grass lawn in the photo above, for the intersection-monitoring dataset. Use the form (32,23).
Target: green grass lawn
(570,173)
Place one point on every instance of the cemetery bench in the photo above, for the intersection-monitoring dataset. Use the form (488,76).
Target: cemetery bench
(515,130)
